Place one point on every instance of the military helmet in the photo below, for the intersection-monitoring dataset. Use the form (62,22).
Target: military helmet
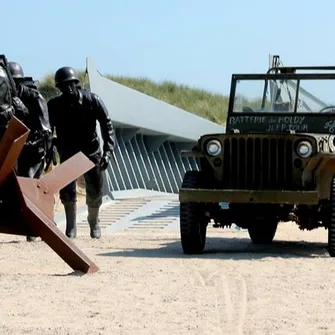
(65,74)
(16,70)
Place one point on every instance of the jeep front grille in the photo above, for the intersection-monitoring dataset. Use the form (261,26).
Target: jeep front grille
(257,163)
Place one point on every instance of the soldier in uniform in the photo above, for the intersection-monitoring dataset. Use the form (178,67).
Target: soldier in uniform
(73,114)
(6,107)
(31,161)
(10,104)
(32,158)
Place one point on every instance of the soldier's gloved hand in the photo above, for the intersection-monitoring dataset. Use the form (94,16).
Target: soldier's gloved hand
(29,144)
(105,161)
(51,154)
(6,112)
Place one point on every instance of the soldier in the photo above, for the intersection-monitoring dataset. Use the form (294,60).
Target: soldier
(6,108)
(31,161)
(73,115)
(10,104)
(32,158)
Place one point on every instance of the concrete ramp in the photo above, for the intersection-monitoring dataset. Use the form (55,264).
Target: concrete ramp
(150,134)
(140,214)
(146,214)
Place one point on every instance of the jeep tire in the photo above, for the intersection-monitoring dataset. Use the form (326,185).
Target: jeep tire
(262,231)
(331,227)
(193,222)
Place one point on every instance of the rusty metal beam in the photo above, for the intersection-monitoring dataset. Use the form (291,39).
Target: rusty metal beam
(42,225)
(66,172)
(33,189)
(42,190)
(29,202)
(11,146)
(38,204)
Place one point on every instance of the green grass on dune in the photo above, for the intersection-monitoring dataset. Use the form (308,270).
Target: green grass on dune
(198,101)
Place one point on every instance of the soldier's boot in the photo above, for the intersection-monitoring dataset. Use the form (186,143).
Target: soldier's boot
(93,220)
(71,219)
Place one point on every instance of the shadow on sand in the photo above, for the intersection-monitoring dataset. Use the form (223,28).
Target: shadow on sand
(166,212)
(230,248)
(11,242)
(70,274)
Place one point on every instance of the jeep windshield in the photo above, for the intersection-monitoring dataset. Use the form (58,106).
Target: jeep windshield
(278,93)
(282,102)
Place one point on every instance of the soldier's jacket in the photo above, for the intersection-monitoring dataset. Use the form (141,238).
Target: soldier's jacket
(75,123)
(38,117)
(9,105)
(16,108)
(6,108)
(6,112)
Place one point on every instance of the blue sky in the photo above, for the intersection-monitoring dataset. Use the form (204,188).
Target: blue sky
(198,43)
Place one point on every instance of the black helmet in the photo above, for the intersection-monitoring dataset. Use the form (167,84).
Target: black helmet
(65,74)
(16,70)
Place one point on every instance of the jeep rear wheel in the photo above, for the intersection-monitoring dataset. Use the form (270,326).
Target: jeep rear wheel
(262,231)
(193,222)
(331,227)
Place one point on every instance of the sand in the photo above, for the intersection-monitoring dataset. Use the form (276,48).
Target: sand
(147,286)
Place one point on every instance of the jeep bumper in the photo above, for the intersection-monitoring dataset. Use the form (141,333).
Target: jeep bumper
(249,196)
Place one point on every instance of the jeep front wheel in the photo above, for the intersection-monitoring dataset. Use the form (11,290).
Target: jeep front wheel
(262,231)
(193,222)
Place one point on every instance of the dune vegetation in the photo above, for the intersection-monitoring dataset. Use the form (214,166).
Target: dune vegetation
(198,101)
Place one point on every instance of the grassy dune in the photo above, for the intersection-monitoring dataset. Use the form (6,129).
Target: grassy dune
(200,102)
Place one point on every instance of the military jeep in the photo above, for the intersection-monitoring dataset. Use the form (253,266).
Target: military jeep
(275,163)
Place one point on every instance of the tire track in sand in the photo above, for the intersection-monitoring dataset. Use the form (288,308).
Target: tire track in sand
(230,292)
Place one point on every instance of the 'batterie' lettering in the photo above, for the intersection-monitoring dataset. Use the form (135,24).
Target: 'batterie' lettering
(247,119)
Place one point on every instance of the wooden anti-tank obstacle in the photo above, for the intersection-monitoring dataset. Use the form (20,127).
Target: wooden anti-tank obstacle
(26,204)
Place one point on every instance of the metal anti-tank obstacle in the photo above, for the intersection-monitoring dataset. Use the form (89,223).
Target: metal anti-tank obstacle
(26,204)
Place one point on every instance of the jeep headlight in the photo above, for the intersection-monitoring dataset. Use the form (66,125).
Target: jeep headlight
(304,149)
(214,148)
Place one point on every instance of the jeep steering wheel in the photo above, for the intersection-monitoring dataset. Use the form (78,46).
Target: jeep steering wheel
(327,107)
(246,109)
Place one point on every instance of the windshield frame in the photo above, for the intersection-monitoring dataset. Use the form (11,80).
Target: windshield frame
(277,76)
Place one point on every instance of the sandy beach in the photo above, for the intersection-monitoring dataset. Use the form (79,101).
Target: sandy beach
(146,285)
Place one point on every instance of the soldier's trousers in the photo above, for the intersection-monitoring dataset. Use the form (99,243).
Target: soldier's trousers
(31,162)
(93,184)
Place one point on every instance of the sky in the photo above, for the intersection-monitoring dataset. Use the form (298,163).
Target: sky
(191,42)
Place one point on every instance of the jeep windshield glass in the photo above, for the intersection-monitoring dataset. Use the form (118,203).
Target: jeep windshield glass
(284,96)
